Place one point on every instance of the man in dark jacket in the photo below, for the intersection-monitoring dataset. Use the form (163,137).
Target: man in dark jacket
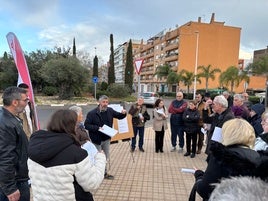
(96,119)
(13,147)
(221,114)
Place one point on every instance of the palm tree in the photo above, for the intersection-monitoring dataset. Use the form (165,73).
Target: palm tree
(165,71)
(260,67)
(162,71)
(188,78)
(232,76)
(208,73)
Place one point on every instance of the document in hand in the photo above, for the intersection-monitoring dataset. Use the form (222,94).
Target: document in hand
(217,136)
(91,150)
(160,111)
(188,170)
(107,130)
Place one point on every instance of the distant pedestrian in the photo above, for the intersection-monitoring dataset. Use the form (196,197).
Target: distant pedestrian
(160,115)
(176,108)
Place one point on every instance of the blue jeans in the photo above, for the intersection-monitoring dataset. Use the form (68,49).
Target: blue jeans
(177,130)
(24,192)
(137,130)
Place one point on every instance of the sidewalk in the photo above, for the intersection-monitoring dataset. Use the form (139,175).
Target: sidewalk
(148,176)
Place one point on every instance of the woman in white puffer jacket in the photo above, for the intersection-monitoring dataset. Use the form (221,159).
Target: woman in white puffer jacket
(59,168)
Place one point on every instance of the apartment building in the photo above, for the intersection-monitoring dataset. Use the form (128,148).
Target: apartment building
(120,54)
(258,82)
(186,47)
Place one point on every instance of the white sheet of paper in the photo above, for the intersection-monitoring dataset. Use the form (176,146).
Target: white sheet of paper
(91,150)
(123,126)
(116,107)
(160,111)
(216,136)
(188,170)
(107,130)
(203,131)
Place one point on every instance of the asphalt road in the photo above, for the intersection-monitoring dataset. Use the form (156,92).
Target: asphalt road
(45,112)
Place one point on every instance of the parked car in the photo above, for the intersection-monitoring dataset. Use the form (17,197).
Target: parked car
(262,94)
(149,97)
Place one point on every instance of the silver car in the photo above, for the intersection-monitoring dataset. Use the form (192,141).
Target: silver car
(149,98)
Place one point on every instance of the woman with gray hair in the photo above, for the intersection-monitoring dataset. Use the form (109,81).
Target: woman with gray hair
(81,132)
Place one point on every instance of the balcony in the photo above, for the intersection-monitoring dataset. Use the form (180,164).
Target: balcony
(171,57)
(171,47)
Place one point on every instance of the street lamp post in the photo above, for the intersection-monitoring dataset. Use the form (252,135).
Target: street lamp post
(196,59)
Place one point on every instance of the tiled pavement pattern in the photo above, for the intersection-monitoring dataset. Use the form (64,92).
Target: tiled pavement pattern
(148,176)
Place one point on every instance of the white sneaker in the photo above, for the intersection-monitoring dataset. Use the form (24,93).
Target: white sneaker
(180,150)
(173,149)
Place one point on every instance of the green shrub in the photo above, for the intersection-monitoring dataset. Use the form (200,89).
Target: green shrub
(50,90)
(100,93)
(104,86)
(255,99)
(118,90)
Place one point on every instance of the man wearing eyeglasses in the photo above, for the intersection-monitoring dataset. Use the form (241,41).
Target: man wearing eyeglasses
(176,109)
(13,147)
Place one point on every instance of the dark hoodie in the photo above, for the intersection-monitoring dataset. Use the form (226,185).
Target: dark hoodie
(54,149)
(255,120)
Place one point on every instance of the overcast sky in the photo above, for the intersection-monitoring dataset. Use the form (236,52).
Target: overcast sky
(45,24)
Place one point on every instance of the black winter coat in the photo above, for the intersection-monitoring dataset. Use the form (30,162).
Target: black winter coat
(216,120)
(13,152)
(224,162)
(191,119)
(94,121)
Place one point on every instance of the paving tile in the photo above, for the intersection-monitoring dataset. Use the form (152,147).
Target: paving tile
(149,175)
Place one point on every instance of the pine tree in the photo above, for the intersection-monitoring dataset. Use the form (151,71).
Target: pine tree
(95,67)
(111,76)
(74,48)
(129,66)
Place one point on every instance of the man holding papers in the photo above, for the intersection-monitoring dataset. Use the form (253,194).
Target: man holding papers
(99,123)
(221,114)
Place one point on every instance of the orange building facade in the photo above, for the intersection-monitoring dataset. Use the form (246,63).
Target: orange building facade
(186,47)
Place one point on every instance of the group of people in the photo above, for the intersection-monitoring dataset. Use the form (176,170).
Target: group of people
(237,144)
(58,163)
(54,162)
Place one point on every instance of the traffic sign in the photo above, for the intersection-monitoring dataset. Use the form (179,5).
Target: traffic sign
(95,79)
(138,65)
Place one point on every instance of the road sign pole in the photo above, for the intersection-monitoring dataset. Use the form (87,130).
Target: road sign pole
(139,86)
(95,87)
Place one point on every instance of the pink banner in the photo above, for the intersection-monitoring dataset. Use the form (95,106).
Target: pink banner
(23,72)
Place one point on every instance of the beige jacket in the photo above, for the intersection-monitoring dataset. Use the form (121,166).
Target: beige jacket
(159,121)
